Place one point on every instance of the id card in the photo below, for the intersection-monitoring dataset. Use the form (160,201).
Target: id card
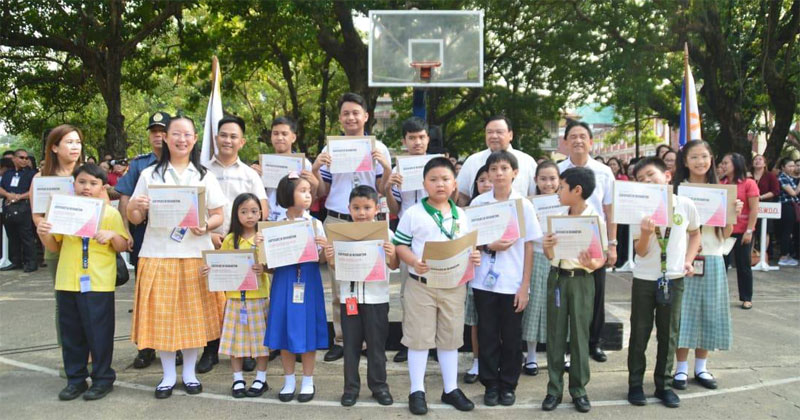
(699,264)
(351,304)
(15,181)
(178,234)
(664,291)
(491,278)
(86,284)
(557,293)
(298,292)
(243,315)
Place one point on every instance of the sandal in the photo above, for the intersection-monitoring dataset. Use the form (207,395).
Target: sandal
(680,383)
(708,383)
(257,392)
(747,305)
(238,392)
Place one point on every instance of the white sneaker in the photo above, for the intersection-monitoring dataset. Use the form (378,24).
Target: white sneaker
(787,261)
(793,262)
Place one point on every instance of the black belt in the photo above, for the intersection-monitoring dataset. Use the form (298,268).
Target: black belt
(340,215)
(570,273)
(422,280)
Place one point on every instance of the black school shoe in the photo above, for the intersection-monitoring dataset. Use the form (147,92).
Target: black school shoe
(457,399)
(707,383)
(193,388)
(491,397)
(679,383)
(98,391)
(335,353)
(349,399)
(668,398)
(636,396)
(401,356)
(417,404)
(582,404)
(72,391)
(307,397)
(507,397)
(470,378)
(254,392)
(383,397)
(163,392)
(550,402)
(598,354)
(530,369)
(144,358)
(238,392)
(207,362)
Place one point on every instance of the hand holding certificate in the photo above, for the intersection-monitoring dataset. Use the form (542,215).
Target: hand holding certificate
(44,187)
(575,234)
(632,201)
(497,221)
(75,215)
(231,270)
(449,262)
(411,168)
(288,242)
(547,205)
(172,206)
(275,167)
(350,154)
(716,204)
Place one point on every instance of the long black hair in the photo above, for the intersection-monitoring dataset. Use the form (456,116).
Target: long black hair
(682,171)
(739,167)
(194,156)
(483,170)
(236,226)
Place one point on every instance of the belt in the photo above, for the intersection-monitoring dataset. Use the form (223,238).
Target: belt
(570,273)
(340,215)
(422,280)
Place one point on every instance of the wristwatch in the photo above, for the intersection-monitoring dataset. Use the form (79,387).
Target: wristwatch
(613,242)
(749,231)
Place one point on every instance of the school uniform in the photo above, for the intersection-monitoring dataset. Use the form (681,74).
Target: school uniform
(645,310)
(276,212)
(173,308)
(497,280)
(86,314)
(534,318)
(235,179)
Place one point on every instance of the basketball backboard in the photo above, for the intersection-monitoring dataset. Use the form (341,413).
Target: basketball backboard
(426,48)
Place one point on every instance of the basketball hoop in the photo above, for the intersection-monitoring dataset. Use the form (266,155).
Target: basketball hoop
(425,68)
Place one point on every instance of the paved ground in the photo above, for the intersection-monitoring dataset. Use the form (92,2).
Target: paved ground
(759,377)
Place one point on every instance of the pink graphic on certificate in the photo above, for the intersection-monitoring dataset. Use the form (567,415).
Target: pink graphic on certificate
(469,274)
(719,216)
(366,163)
(192,218)
(89,229)
(250,281)
(595,246)
(378,272)
(310,251)
(512,229)
(660,216)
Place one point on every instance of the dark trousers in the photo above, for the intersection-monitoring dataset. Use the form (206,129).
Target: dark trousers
(744,272)
(786,227)
(87,327)
(599,309)
(499,340)
(667,320)
(370,325)
(19,228)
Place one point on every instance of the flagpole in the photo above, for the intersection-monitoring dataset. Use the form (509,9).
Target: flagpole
(214,81)
(686,111)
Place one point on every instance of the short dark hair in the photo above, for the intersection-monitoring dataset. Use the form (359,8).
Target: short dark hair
(784,160)
(93,170)
(502,156)
(438,162)
(231,119)
(414,125)
(285,191)
(8,153)
(573,123)
(364,191)
(498,117)
(352,97)
(580,176)
(663,146)
(647,161)
(284,120)
(7,163)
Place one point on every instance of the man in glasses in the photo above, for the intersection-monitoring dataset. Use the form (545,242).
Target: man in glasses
(15,188)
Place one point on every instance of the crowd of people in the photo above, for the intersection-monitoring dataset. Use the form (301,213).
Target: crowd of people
(520,295)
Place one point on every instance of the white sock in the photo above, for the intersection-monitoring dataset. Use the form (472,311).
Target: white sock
(474,369)
(308,385)
(448,363)
(238,376)
(682,368)
(189,362)
(417,363)
(531,353)
(288,384)
(168,366)
(699,367)
(261,375)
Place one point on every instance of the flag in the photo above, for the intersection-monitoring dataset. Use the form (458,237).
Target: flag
(690,116)
(213,115)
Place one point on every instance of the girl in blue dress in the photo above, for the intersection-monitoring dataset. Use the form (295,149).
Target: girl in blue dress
(296,323)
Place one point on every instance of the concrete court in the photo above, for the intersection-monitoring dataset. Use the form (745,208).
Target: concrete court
(759,377)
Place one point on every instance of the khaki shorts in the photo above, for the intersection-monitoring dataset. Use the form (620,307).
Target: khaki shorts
(433,317)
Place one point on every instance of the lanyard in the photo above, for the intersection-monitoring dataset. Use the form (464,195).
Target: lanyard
(438,218)
(85,253)
(175,177)
(662,243)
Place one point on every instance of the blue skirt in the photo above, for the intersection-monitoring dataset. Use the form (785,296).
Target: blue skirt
(297,327)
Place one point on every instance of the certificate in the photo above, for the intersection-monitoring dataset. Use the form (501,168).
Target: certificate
(497,221)
(288,243)
(275,167)
(411,168)
(231,270)
(174,206)
(350,154)
(44,187)
(362,261)
(75,215)
(547,205)
(448,261)
(632,201)
(716,204)
(575,234)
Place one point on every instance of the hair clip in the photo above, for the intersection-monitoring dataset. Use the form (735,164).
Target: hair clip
(293,175)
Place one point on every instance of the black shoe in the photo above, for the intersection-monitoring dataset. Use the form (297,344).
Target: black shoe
(491,397)
(708,383)
(401,356)
(668,398)
(163,392)
(248,365)
(30,269)
(11,267)
(636,396)
(417,404)
(98,391)
(550,402)
(274,355)
(144,358)
(679,383)
(306,397)
(470,378)
(193,388)
(257,392)
(598,354)
(238,392)
(207,362)
(383,397)
(286,397)
(457,399)
(335,353)
(72,391)
(507,397)
(531,369)
(582,404)
(433,354)
(349,399)
(364,352)
(178,358)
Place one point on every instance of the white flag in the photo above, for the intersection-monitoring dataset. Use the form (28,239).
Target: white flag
(213,115)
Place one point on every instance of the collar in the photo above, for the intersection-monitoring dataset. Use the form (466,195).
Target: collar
(237,162)
(306,216)
(434,212)
(573,165)
(190,168)
(510,148)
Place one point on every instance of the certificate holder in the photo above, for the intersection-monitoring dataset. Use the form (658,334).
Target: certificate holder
(448,261)
(287,242)
(575,234)
(632,201)
(176,206)
(502,220)
(274,167)
(231,270)
(351,154)
(43,187)
(411,168)
(356,245)
(75,215)
(716,203)
(547,205)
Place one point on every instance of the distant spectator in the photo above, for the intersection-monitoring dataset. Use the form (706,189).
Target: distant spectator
(8,154)
(600,159)
(669,159)
(91,159)
(458,166)
(789,198)
(617,169)
(15,188)
(105,165)
(661,150)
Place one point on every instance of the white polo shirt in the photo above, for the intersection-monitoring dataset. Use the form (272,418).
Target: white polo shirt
(509,264)
(524,183)
(366,292)
(276,212)
(341,184)
(157,242)
(417,227)
(406,199)
(684,219)
(235,179)
(603,180)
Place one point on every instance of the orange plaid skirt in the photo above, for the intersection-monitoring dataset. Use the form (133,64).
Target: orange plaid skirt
(172,308)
